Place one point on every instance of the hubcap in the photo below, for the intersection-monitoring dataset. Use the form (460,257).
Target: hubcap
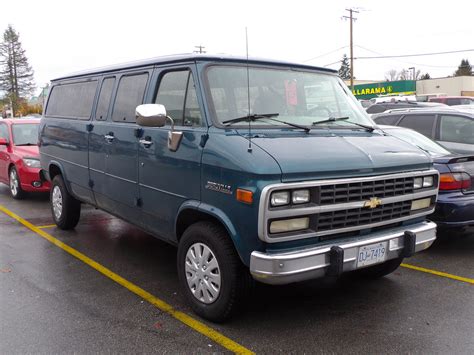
(14,183)
(57,202)
(202,273)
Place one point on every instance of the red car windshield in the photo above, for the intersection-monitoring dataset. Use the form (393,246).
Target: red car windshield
(25,133)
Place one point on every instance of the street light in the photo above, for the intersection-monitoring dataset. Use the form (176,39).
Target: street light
(413,76)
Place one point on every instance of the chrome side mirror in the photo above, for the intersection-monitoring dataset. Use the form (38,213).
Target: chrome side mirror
(151,115)
(154,115)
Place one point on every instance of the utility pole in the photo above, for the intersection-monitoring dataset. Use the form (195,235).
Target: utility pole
(351,19)
(199,49)
(413,76)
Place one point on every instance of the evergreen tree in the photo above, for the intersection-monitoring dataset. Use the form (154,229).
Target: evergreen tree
(464,69)
(425,76)
(345,70)
(16,75)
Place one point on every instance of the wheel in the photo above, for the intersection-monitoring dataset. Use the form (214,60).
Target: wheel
(380,270)
(66,210)
(211,274)
(15,187)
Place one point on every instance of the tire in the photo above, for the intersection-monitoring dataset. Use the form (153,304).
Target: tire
(219,299)
(380,270)
(66,210)
(15,185)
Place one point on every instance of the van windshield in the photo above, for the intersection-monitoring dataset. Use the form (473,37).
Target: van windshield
(298,97)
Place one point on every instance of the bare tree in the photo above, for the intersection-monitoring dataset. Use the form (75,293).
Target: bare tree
(404,75)
(391,75)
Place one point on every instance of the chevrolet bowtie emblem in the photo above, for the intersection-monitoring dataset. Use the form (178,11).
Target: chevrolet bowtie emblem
(373,202)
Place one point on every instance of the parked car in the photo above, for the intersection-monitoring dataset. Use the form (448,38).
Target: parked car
(19,157)
(455,203)
(451,128)
(453,100)
(384,106)
(280,178)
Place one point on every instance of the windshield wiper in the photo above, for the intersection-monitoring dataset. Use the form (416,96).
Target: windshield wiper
(335,119)
(269,116)
(19,145)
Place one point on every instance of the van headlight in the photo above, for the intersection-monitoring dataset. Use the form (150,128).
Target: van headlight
(295,197)
(280,198)
(32,163)
(423,181)
(300,196)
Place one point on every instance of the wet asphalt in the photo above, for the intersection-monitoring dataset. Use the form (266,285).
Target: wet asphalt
(51,302)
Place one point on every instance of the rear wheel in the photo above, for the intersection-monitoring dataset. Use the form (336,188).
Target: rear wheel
(211,274)
(380,270)
(15,186)
(66,210)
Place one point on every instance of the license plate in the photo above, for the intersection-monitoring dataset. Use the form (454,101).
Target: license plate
(372,254)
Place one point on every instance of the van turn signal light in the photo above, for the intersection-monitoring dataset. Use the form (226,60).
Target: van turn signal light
(245,196)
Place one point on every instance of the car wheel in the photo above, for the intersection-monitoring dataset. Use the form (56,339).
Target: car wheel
(380,270)
(15,186)
(66,210)
(211,274)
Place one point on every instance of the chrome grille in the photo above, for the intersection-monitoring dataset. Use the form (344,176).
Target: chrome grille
(360,216)
(360,191)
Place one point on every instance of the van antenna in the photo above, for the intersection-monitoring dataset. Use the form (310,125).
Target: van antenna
(249,149)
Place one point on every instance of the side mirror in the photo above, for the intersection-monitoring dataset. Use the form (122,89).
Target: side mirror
(151,115)
(3,141)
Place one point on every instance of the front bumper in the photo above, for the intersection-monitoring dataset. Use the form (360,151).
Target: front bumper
(335,258)
(29,177)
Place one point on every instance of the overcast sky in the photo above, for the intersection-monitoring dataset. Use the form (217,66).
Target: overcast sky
(65,36)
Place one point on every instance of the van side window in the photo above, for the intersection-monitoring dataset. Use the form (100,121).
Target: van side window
(178,94)
(72,100)
(104,98)
(130,94)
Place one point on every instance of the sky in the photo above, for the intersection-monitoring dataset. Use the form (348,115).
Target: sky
(61,37)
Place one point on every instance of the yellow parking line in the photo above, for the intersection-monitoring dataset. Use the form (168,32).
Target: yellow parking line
(439,273)
(47,226)
(163,306)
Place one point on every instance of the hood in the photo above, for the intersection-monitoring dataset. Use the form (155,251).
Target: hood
(333,156)
(30,151)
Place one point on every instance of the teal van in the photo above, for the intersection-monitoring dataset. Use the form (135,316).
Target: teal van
(256,170)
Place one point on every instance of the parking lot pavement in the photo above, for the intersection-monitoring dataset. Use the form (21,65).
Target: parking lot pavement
(53,302)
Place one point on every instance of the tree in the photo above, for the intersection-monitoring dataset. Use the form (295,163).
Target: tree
(425,76)
(391,75)
(404,75)
(16,75)
(464,69)
(345,70)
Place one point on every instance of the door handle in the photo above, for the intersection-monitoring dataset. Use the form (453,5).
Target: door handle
(109,138)
(146,143)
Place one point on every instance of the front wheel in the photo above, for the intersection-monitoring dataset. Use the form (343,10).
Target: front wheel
(15,186)
(380,270)
(66,210)
(211,274)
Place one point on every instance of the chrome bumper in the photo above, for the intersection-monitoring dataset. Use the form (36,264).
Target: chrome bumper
(335,258)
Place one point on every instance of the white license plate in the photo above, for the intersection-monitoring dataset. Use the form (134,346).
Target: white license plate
(372,254)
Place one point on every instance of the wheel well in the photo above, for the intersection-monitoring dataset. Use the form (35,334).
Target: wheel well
(53,171)
(189,217)
(10,166)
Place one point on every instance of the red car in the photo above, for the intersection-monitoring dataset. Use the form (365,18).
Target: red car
(19,157)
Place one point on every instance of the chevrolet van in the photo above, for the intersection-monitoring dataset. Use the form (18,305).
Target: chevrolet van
(255,169)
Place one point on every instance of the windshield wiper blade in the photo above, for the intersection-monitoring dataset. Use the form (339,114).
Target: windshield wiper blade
(22,144)
(269,116)
(335,119)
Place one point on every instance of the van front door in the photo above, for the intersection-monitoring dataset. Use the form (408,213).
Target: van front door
(168,178)
(119,137)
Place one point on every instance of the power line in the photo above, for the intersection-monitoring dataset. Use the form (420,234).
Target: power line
(415,55)
(323,55)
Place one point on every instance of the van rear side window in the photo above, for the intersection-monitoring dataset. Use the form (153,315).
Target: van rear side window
(73,100)
(130,94)
(104,99)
